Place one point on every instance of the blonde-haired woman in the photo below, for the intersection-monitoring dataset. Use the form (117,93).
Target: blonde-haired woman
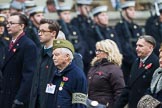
(105,77)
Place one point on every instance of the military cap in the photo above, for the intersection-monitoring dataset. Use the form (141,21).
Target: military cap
(2,19)
(99,9)
(64,8)
(17,5)
(59,43)
(4,6)
(84,2)
(29,3)
(38,9)
(128,4)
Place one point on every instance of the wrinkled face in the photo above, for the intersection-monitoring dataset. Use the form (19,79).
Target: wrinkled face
(102,19)
(100,54)
(130,12)
(59,58)
(45,34)
(143,48)
(160,59)
(13,25)
(66,16)
(37,17)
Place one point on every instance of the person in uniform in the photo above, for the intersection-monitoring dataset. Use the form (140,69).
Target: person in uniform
(128,33)
(29,4)
(48,31)
(141,73)
(35,15)
(19,65)
(83,19)
(153,26)
(101,31)
(16,6)
(5,9)
(68,86)
(71,32)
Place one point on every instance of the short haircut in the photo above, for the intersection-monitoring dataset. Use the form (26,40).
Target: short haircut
(53,25)
(149,39)
(22,18)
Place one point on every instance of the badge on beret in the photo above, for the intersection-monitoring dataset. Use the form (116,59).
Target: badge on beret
(58,42)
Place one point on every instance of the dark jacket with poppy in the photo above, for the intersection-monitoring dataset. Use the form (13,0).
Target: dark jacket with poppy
(18,69)
(68,82)
(105,82)
(139,82)
(44,72)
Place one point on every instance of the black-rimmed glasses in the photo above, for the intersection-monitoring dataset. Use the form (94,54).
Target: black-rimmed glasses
(43,31)
(99,51)
(11,23)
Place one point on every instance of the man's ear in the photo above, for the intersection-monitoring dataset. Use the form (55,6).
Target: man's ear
(54,34)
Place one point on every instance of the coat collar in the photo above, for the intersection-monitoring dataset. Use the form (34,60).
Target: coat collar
(14,49)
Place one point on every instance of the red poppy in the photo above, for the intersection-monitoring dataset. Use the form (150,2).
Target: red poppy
(148,66)
(99,73)
(65,78)
(14,50)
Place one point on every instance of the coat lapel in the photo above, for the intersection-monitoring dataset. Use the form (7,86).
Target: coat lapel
(13,51)
(139,72)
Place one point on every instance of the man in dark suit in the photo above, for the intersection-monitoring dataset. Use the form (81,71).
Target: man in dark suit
(19,65)
(141,73)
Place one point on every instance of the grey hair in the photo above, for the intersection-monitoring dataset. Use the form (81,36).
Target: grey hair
(67,51)
(149,39)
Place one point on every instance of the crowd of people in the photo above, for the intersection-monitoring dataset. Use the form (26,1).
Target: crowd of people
(79,62)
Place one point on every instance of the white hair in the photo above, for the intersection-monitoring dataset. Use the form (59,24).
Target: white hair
(67,51)
(61,35)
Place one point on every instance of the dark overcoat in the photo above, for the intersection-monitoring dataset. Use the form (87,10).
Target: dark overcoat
(44,71)
(139,82)
(68,82)
(18,69)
